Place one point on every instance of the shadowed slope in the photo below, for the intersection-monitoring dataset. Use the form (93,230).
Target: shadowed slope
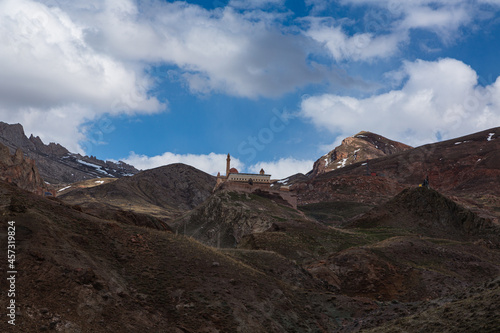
(163,192)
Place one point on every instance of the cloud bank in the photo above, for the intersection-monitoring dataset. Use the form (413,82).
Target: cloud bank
(440,99)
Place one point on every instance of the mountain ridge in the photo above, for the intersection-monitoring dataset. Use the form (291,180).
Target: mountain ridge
(462,168)
(55,163)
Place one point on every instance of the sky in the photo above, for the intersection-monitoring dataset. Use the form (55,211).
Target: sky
(275,83)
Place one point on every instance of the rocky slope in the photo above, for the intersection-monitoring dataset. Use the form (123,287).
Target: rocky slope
(358,148)
(470,311)
(427,212)
(462,168)
(78,273)
(228,216)
(21,171)
(165,192)
(56,164)
(430,247)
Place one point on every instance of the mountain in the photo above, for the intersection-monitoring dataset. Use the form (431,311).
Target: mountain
(56,164)
(463,168)
(20,170)
(358,148)
(164,192)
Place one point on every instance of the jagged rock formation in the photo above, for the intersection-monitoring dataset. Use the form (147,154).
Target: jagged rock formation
(55,163)
(358,148)
(20,171)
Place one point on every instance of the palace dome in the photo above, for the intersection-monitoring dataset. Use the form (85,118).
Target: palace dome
(233,170)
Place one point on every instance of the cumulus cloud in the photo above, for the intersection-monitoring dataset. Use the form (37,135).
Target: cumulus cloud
(360,46)
(51,77)
(64,62)
(382,33)
(46,62)
(210,163)
(89,59)
(440,99)
(284,167)
(245,54)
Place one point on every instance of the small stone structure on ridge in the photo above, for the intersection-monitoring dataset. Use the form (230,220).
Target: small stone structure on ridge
(252,183)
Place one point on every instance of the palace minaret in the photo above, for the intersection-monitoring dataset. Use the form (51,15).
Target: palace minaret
(228,164)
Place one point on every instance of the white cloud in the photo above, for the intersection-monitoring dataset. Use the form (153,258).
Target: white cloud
(65,62)
(284,167)
(444,21)
(252,4)
(387,24)
(438,97)
(246,54)
(46,62)
(211,163)
(52,80)
(360,46)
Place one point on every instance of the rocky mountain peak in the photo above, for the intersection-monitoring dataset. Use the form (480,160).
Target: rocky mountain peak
(50,149)
(357,148)
(13,136)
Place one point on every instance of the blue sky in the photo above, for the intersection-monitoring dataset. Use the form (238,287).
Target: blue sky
(275,83)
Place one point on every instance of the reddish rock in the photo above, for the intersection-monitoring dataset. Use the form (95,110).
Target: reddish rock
(358,148)
(20,170)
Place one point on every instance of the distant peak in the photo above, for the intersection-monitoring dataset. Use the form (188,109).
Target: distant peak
(364,133)
(363,146)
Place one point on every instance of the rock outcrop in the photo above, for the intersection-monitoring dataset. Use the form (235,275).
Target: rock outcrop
(358,148)
(20,170)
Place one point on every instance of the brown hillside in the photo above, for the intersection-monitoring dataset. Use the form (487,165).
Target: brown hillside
(78,273)
(163,192)
(426,212)
(465,168)
(408,268)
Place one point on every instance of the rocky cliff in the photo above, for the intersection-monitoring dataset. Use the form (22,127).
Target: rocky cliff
(20,170)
